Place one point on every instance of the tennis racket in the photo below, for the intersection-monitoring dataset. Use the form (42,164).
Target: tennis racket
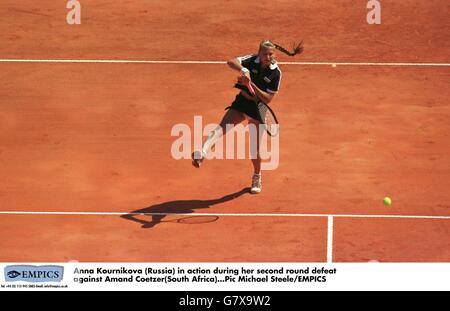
(266,115)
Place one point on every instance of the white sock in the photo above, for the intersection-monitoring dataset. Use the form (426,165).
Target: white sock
(212,139)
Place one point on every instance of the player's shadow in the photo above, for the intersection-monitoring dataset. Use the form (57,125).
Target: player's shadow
(176,207)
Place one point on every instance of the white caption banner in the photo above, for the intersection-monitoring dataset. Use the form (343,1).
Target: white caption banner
(233,276)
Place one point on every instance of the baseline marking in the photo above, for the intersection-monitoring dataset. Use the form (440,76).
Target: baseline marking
(200,62)
(221,214)
(329,217)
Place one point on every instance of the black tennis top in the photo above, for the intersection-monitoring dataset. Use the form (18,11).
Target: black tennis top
(268,79)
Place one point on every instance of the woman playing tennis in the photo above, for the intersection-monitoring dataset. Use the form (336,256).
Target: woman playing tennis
(261,73)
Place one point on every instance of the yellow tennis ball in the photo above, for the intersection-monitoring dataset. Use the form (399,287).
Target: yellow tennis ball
(334,65)
(387,201)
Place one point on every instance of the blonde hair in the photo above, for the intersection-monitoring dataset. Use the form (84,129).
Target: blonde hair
(297,49)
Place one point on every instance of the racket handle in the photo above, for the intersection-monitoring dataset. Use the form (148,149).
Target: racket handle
(251,89)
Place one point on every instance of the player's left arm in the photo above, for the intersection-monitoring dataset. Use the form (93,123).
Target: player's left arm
(265,97)
(272,88)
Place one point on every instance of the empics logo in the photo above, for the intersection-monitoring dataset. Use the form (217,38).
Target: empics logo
(34,273)
(13,274)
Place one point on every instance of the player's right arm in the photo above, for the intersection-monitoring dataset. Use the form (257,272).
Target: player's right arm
(235,64)
(239,63)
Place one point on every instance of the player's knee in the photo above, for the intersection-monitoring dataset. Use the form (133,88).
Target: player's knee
(255,154)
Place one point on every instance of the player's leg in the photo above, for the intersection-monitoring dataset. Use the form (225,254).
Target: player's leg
(232,117)
(255,139)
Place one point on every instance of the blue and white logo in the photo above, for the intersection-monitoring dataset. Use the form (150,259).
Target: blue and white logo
(13,274)
(34,273)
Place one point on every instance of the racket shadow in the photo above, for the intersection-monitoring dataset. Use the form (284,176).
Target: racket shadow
(164,209)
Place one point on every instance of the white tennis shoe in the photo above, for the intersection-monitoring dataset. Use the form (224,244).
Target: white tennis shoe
(256,184)
(197,158)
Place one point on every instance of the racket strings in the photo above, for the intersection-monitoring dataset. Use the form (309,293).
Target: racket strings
(262,111)
(268,119)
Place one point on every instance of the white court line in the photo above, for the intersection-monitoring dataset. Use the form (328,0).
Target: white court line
(329,217)
(368,64)
(221,214)
(330,240)
(200,62)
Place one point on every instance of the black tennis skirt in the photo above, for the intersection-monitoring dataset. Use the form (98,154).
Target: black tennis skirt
(246,106)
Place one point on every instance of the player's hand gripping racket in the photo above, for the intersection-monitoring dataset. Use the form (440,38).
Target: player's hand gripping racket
(266,114)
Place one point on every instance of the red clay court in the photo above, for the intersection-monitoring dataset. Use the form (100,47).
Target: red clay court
(87,110)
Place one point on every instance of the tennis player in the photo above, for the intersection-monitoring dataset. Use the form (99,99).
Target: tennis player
(261,71)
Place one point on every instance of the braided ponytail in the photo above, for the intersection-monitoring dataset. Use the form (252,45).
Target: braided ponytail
(297,49)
